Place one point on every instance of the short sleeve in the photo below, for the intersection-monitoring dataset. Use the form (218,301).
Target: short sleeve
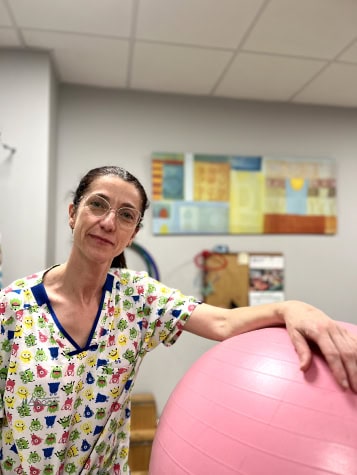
(161,311)
(177,312)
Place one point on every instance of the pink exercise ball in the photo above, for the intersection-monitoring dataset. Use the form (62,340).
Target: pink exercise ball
(246,408)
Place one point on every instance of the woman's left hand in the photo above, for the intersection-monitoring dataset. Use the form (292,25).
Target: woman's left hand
(306,323)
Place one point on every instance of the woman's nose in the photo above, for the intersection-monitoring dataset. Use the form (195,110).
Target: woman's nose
(110,218)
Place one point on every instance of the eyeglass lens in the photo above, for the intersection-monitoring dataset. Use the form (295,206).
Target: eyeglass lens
(99,206)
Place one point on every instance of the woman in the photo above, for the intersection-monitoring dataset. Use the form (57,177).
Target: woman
(73,337)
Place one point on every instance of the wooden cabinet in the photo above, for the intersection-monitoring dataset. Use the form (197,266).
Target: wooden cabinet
(143,427)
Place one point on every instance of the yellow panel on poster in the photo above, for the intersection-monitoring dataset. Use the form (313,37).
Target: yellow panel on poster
(211,181)
(246,202)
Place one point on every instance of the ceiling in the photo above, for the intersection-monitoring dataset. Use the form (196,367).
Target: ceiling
(292,51)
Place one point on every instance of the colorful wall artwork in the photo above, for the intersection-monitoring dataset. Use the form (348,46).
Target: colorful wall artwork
(223,194)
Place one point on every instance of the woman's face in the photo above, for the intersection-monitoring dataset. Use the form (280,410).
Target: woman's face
(99,235)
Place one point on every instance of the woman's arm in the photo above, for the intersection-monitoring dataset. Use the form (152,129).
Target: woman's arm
(303,322)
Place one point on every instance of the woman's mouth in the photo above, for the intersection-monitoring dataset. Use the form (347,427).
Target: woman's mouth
(101,240)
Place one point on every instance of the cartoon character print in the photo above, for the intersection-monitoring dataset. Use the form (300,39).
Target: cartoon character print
(72,403)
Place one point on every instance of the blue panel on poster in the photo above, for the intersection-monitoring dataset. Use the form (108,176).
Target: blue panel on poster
(250,164)
(296,198)
(172,187)
(191,218)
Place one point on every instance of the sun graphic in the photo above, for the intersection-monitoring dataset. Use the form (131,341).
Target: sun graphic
(297,183)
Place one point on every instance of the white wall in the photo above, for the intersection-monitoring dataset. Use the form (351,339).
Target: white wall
(27,100)
(99,127)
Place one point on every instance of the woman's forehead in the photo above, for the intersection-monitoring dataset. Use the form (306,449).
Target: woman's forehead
(114,187)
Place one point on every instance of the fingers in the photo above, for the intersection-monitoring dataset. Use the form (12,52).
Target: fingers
(301,347)
(338,347)
(337,344)
(334,360)
(343,358)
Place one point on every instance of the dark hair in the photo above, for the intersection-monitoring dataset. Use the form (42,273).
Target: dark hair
(92,175)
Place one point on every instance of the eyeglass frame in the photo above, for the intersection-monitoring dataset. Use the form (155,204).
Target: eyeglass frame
(116,210)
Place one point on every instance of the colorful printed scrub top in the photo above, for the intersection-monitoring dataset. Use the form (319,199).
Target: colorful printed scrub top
(66,409)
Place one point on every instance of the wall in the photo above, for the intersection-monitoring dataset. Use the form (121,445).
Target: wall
(27,98)
(98,127)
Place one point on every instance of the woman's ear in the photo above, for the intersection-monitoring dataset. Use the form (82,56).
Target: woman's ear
(72,215)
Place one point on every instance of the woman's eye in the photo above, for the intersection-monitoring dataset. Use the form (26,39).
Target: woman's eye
(97,204)
(128,215)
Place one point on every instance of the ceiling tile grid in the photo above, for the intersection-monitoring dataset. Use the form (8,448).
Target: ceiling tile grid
(170,68)
(210,23)
(267,77)
(294,51)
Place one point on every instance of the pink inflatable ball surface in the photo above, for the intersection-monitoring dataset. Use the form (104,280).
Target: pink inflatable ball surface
(245,408)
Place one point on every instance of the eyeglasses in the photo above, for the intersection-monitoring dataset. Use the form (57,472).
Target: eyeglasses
(99,206)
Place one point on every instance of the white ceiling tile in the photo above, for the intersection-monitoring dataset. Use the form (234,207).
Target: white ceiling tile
(9,38)
(101,17)
(196,22)
(176,68)
(310,28)
(190,43)
(350,55)
(85,59)
(336,85)
(5,19)
(264,77)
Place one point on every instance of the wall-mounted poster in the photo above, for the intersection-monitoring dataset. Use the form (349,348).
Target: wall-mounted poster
(224,194)
(266,278)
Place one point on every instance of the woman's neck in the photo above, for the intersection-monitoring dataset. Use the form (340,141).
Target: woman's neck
(73,281)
